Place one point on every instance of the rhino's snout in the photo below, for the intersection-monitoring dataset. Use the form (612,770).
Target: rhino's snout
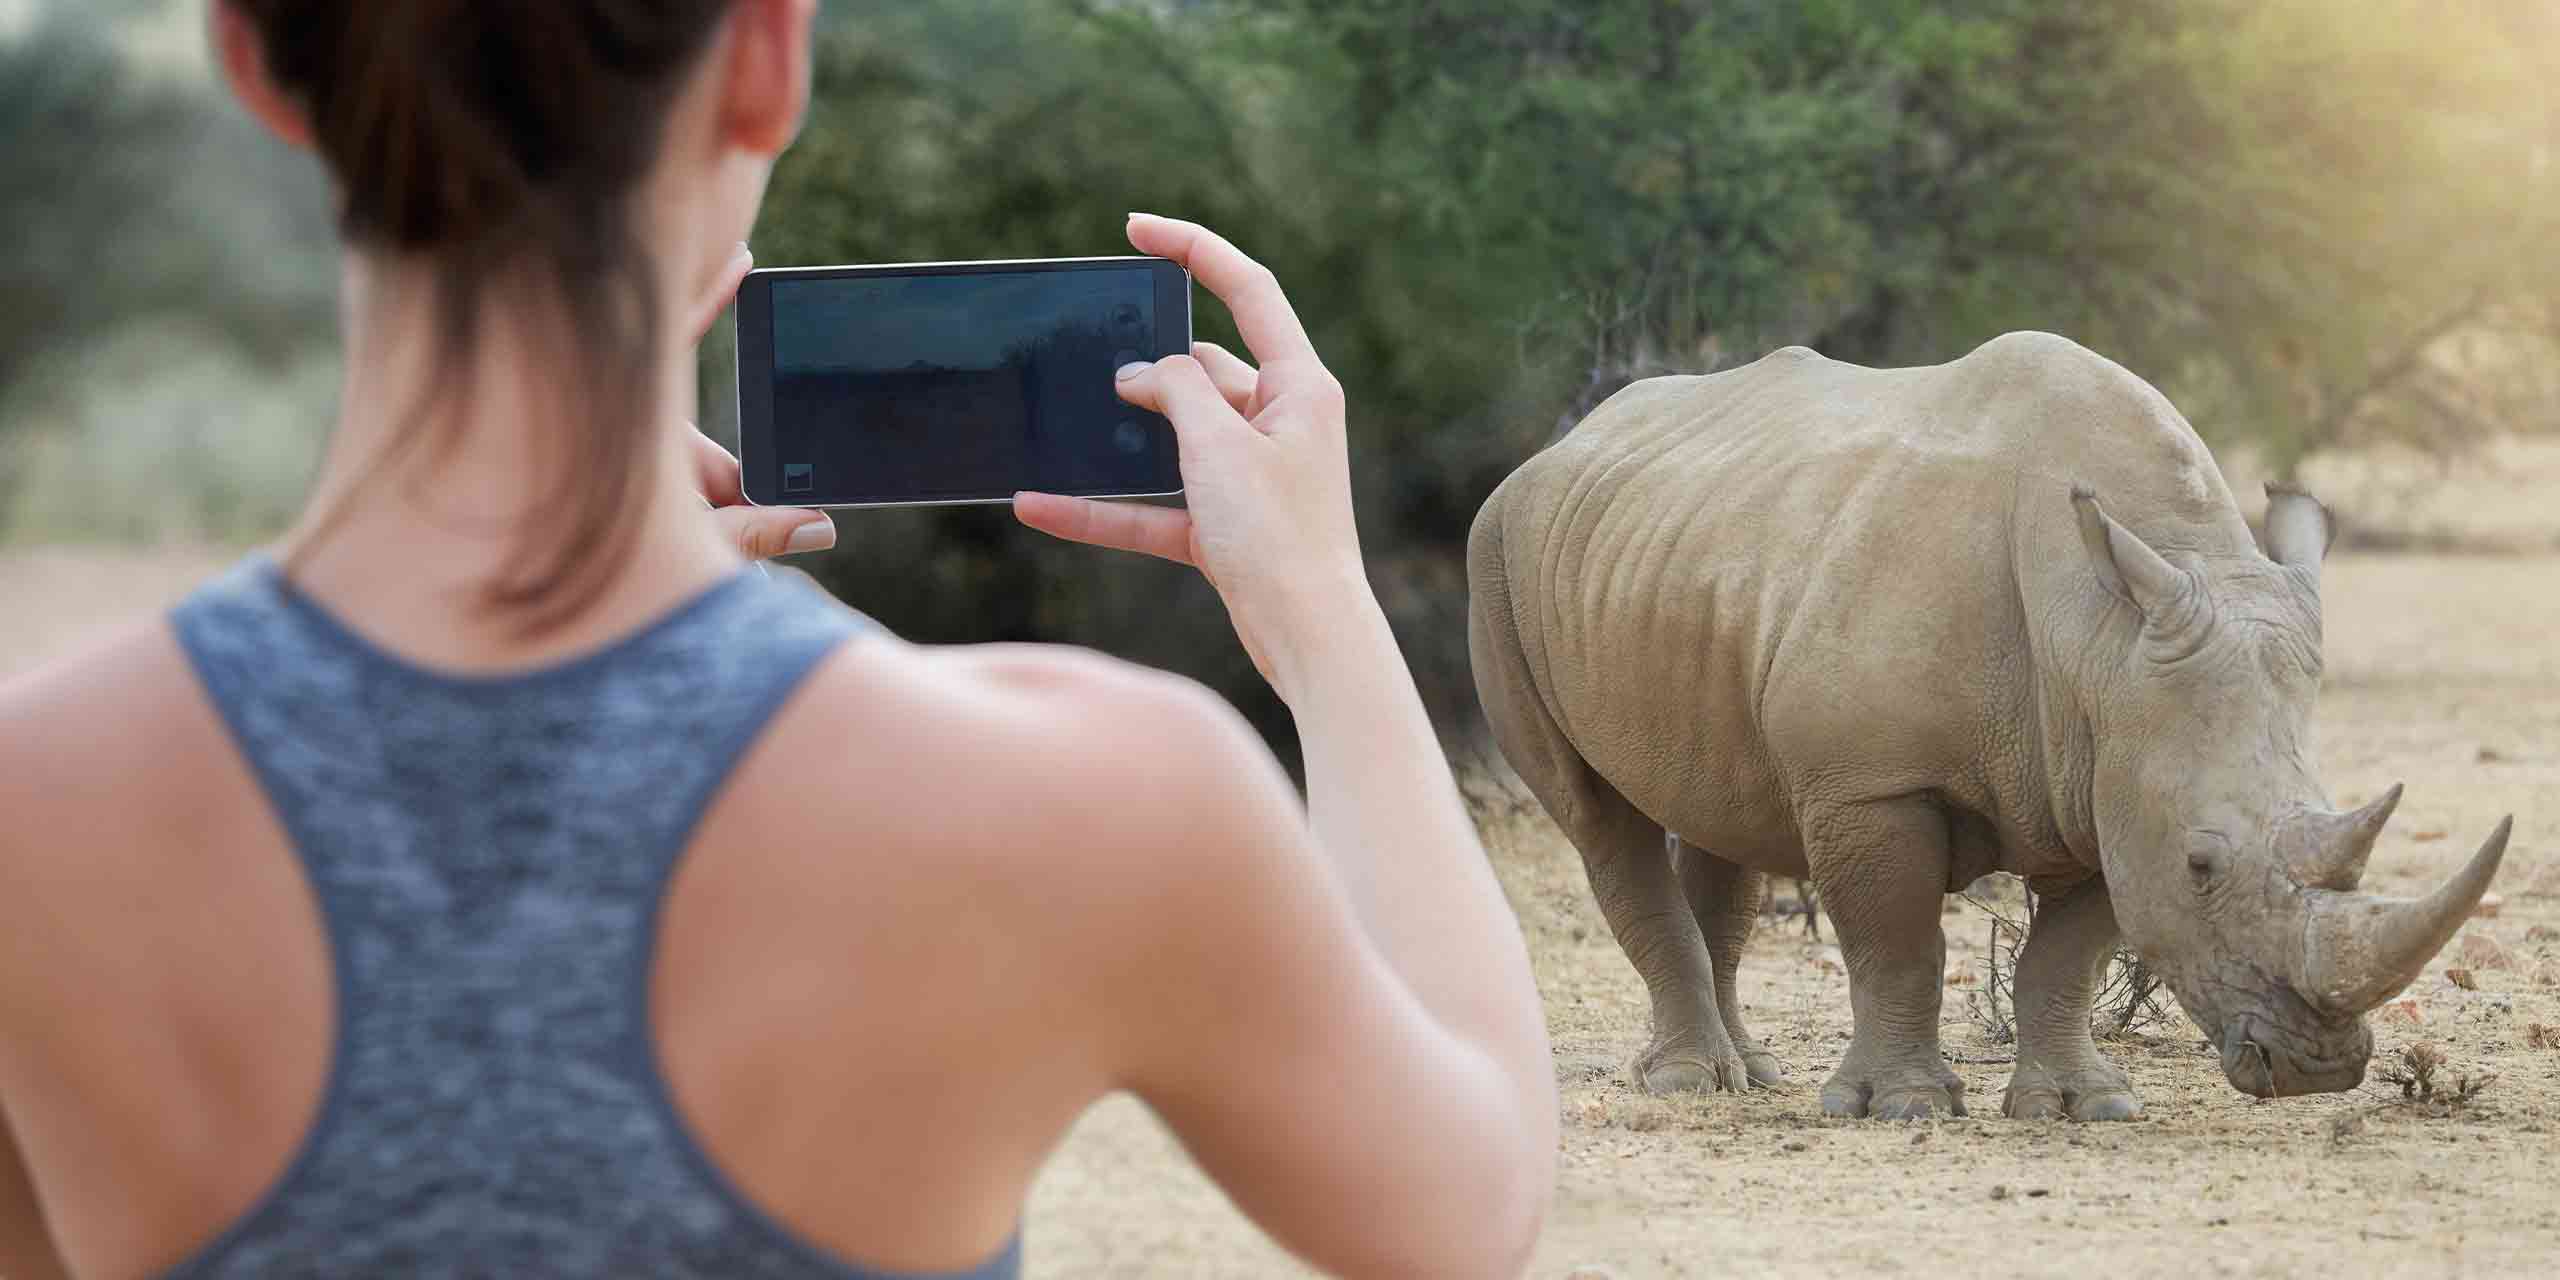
(2246,1065)
(2264,1063)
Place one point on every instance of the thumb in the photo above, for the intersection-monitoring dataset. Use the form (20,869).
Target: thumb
(1177,387)
(765,532)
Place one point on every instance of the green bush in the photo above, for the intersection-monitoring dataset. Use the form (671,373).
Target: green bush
(1492,215)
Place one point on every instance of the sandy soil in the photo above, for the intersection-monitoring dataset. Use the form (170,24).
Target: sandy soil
(2443,671)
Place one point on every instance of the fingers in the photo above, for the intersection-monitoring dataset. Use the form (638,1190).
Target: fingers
(761,532)
(716,294)
(1234,378)
(1164,532)
(714,470)
(765,532)
(1180,389)
(1262,313)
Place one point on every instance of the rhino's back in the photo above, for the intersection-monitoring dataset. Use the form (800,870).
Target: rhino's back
(1806,574)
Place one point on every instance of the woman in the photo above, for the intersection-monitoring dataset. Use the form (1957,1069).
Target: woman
(501,878)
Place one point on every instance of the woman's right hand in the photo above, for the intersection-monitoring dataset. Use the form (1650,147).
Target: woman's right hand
(1266,470)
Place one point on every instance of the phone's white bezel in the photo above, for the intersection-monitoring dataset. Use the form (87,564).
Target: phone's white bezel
(1190,334)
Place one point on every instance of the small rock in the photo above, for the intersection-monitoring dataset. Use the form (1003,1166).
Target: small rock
(2541,933)
(2488,755)
(2488,906)
(2462,978)
(2033,1192)
(1999,1191)
(1793,1144)
(1920,1137)
(2398,1011)
(2428,836)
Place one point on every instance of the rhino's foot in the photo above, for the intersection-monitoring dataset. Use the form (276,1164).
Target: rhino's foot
(1894,1093)
(2101,1092)
(1762,1066)
(1692,1063)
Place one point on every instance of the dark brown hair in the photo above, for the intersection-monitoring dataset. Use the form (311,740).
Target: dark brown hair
(498,137)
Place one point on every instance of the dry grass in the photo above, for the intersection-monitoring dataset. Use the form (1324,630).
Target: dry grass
(2415,1072)
(2130,997)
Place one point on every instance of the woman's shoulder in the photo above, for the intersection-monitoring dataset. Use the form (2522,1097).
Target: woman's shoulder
(1035,775)
(110,707)
(1049,732)
(106,755)
(1006,825)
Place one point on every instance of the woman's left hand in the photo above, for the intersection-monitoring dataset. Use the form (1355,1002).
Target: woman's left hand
(760,532)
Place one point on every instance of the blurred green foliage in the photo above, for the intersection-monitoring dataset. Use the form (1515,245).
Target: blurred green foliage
(2309,224)
(167,296)
(1493,214)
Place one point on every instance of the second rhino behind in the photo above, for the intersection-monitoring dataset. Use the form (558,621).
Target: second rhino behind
(1892,629)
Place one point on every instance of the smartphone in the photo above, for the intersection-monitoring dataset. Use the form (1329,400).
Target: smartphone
(925,383)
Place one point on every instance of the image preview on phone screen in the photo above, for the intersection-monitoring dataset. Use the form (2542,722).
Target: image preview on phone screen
(962,387)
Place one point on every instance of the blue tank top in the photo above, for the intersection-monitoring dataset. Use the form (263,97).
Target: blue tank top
(489,854)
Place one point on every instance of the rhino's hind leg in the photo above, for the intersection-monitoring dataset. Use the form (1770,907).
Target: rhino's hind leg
(1630,867)
(2060,1073)
(1622,851)
(1726,899)
(1881,868)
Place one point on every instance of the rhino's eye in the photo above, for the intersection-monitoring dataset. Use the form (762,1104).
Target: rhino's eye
(2204,858)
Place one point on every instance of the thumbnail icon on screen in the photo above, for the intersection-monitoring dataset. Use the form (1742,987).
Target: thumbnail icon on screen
(798,477)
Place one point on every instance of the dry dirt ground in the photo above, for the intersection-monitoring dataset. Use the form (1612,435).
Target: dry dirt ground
(2444,671)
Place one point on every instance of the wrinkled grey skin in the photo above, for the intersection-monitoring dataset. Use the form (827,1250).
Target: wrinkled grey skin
(1891,629)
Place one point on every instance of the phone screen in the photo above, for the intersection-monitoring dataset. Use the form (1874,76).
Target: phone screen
(960,382)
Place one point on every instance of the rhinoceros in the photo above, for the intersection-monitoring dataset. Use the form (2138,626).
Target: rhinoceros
(1893,629)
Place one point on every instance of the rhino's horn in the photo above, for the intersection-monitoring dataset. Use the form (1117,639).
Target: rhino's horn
(2360,949)
(2329,850)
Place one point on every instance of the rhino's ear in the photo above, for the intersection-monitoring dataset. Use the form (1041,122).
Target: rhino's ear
(2126,565)
(2299,527)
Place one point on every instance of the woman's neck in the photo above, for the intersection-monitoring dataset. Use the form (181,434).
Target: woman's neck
(419,504)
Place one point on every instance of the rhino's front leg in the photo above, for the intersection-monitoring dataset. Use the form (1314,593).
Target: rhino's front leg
(1726,898)
(2060,1072)
(1881,868)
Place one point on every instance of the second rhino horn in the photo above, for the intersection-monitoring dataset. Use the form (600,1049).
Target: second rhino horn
(2327,850)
